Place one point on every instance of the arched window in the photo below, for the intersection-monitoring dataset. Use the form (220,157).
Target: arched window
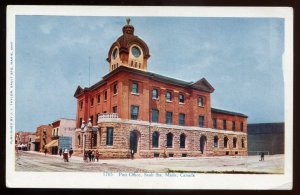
(182,140)
(243,143)
(234,142)
(202,143)
(216,141)
(155,137)
(169,140)
(225,142)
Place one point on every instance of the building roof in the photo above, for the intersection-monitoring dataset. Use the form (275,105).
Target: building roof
(265,128)
(201,84)
(216,110)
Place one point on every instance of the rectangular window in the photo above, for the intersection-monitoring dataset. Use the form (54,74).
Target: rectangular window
(154,117)
(224,124)
(181,98)
(154,94)
(242,126)
(115,109)
(181,119)
(169,96)
(233,125)
(115,88)
(98,98)
(134,112)
(92,101)
(135,88)
(105,95)
(200,101)
(109,136)
(215,123)
(81,105)
(201,121)
(92,119)
(169,118)
(80,122)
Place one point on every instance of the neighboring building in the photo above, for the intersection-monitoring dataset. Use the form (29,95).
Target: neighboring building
(23,140)
(43,137)
(31,140)
(62,129)
(151,114)
(266,137)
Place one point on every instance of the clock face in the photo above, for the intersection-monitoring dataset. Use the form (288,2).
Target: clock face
(115,53)
(136,52)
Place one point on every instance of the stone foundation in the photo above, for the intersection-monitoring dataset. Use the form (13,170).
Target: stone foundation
(121,141)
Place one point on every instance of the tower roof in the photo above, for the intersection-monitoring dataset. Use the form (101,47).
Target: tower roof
(126,40)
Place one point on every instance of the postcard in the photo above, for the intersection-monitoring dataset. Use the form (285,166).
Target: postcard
(149,97)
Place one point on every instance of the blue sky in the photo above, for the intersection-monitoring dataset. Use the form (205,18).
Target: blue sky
(240,57)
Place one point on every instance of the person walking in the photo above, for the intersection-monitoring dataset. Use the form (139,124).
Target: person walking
(97,155)
(60,151)
(46,151)
(85,158)
(71,152)
(65,155)
(93,156)
(262,156)
(132,154)
(90,155)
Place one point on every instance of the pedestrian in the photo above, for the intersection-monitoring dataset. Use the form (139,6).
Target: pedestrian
(60,151)
(65,155)
(165,153)
(262,156)
(132,154)
(97,155)
(86,156)
(71,152)
(93,156)
(90,155)
(45,151)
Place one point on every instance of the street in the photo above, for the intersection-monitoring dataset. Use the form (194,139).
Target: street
(38,162)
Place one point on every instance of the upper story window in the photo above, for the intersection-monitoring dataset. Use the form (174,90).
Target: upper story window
(169,118)
(135,88)
(92,101)
(115,109)
(242,126)
(224,124)
(200,101)
(154,93)
(215,123)
(181,119)
(201,121)
(233,125)
(169,96)
(98,98)
(181,98)
(105,95)
(134,112)
(81,104)
(115,88)
(154,117)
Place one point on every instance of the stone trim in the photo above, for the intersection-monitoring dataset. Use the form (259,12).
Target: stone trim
(160,125)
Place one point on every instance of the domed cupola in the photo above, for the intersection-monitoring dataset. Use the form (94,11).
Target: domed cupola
(129,50)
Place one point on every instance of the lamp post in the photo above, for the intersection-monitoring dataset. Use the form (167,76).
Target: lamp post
(83,130)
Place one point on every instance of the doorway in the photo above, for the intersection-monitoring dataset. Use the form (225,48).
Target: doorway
(134,139)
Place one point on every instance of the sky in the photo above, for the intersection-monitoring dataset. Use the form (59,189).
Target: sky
(240,57)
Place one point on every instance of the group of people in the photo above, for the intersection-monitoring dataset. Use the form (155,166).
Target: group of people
(91,156)
(66,154)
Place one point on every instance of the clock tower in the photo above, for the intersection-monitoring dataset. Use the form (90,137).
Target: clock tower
(128,50)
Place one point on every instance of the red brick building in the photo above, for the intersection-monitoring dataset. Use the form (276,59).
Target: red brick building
(43,137)
(151,114)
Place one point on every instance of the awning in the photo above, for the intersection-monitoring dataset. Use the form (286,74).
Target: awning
(53,143)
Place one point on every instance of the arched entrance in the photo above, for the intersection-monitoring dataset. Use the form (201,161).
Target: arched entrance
(202,143)
(134,141)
